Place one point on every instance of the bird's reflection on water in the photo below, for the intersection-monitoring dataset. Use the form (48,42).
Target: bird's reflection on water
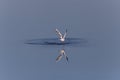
(62,54)
(54,41)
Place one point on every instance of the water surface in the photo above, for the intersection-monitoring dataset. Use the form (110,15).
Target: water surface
(29,45)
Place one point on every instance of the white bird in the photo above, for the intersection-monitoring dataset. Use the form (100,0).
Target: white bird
(62,53)
(61,36)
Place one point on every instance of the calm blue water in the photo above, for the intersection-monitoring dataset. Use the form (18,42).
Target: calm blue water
(27,34)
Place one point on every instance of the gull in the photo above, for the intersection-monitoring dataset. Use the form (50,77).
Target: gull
(62,53)
(61,36)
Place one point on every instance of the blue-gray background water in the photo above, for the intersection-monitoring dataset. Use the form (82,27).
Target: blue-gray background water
(96,22)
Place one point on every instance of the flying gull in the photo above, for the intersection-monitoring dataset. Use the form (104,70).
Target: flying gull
(61,36)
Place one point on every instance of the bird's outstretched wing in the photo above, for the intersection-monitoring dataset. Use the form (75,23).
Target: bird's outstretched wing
(65,34)
(65,56)
(58,58)
(58,32)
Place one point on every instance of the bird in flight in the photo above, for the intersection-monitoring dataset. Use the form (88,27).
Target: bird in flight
(61,36)
(62,53)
